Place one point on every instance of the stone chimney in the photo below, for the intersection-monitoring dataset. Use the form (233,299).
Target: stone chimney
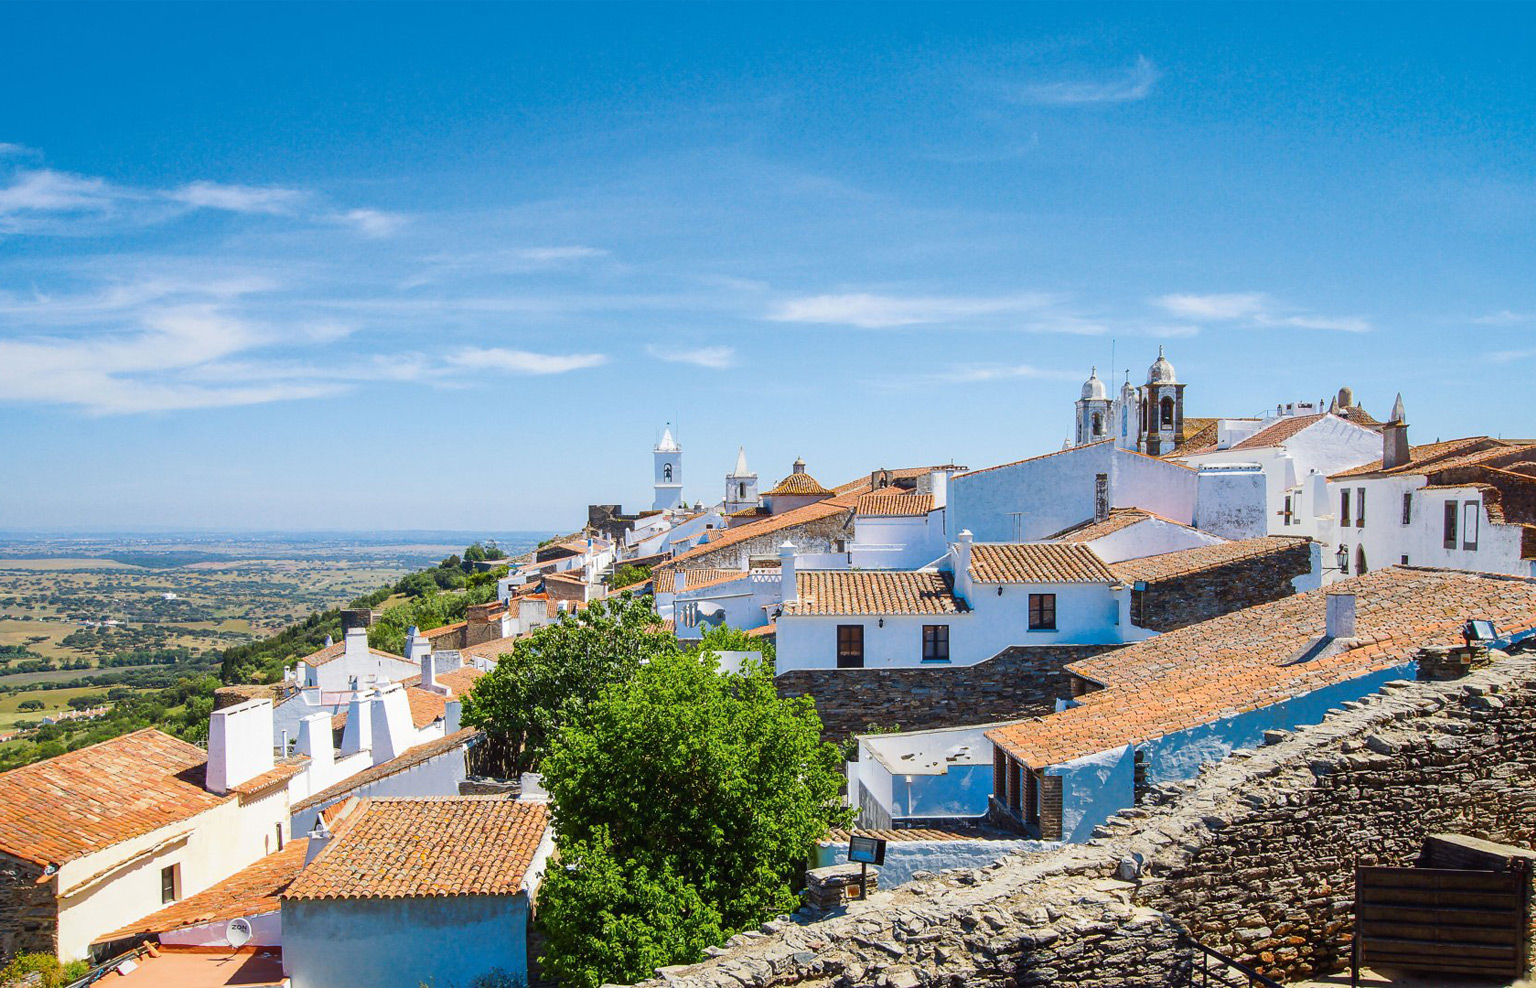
(1394,438)
(1341,615)
(787,591)
(239,744)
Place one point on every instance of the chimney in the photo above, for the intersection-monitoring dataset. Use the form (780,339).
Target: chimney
(358,734)
(318,838)
(315,741)
(389,711)
(355,643)
(239,744)
(419,651)
(962,554)
(1394,438)
(453,716)
(938,486)
(358,618)
(787,591)
(1341,615)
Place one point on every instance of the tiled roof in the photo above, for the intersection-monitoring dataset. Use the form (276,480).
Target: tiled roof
(333,652)
(766,631)
(1073,449)
(861,592)
(1258,656)
(862,484)
(284,770)
(1198,434)
(60,809)
(1037,562)
(1090,530)
(413,848)
(249,892)
(889,504)
(493,649)
(799,485)
(1433,457)
(662,575)
(427,706)
(1273,435)
(447,629)
(905,834)
(412,758)
(1186,561)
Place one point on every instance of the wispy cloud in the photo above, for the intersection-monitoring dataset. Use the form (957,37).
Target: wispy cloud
(547,255)
(970,373)
(713,357)
(868,311)
(1134,83)
(372,222)
(1255,309)
(16,150)
(47,191)
(270,200)
(1504,318)
(523,361)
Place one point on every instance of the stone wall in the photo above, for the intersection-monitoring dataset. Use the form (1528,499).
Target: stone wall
(1180,601)
(29,918)
(1255,858)
(1022,681)
(815,536)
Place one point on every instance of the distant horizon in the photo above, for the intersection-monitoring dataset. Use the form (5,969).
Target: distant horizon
(291,269)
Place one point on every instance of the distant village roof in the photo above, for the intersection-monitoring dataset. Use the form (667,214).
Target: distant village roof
(493,649)
(1037,562)
(80,802)
(837,592)
(423,848)
(412,758)
(249,892)
(1258,656)
(1186,562)
(892,504)
(432,634)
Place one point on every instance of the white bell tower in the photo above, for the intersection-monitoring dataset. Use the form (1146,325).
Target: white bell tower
(669,472)
(740,486)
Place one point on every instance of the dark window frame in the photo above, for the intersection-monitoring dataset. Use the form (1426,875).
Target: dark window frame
(850,646)
(1407,507)
(170,883)
(935,643)
(1042,612)
(1470,523)
(1452,524)
(1359,507)
(1344,514)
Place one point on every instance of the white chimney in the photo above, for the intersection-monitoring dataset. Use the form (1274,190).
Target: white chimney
(355,643)
(1341,615)
(318,838)
(315,741)
(393,730)
(938,486)
(963,565)
(239,744)
(787,588)
(453,716)
(358,734)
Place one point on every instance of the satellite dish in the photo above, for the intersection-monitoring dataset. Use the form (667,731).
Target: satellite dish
(238,933)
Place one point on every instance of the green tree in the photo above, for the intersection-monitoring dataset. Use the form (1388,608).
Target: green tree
(554,674)
(682,770)
(628,575)
(30,705)
(616,921)
(724,638)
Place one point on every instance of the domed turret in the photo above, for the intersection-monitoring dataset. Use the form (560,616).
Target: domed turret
(1161,371)
(1093,388)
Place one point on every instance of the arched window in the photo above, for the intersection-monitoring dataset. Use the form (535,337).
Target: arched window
(1165,409)
(741,491)
(666,472)
(1360,560)
(1124,419)
(1098,424)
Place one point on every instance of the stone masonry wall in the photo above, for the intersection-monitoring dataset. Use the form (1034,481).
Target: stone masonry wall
(1022,681)
(29,919)
(1184,600)
(1255,858)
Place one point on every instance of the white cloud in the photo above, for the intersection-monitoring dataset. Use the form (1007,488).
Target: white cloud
(713,357)
(548,255)
(975,373)
(1134,84)
(522,361)
(884,311)
(46,191)
(372,222)
(8,150)
(270,200)
(1504,317)
(1255,309)
(1212,306)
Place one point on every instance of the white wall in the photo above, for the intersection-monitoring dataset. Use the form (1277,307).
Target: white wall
(1151,537)
(403,943)
(897,543)
(438,776)
(1094,788)
(939,773)
(266,931)
(905,858)
(1232,501)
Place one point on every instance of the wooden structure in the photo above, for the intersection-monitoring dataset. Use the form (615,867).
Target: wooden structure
(1466,909)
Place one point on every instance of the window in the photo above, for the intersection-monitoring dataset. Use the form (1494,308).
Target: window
(279,836)
(170,879)
(1360,508)
(850,646)
(1360,568)
(1100,496)
(741,491)
(1344,508)
(1123,420)
(1407,507)
(666,472)
(1289,511)
(1469,513)
(1405,560)
(1042,612)
(935,643)
(1450,524)
(1098,424)
(1166,411)
(1138,607)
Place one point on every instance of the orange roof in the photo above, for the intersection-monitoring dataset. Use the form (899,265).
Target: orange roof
(1119,518)
(412,758)
(766,631)
(1037,562)
(284,770)
(413,848)
(248,892)
(829,592)
(493,649)
(333,652)
(862,485)
(80,802)
(661,576)
(446,629)
(1433,457)
(1203,557)
(1257,657)
(799,485)
(890,504)
(427,706)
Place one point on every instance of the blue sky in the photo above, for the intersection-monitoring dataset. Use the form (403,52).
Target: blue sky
(454,267)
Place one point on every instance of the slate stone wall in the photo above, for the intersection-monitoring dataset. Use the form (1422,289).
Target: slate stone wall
(1022,681)
(29,919)
(1255,858)
(1184,600)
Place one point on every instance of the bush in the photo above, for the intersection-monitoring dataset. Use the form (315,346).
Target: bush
(41,970)
(30,705)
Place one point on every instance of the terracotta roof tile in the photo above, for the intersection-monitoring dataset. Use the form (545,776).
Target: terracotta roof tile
(1435,456)
(799,485)
(274,776)
(890,504)
(248,892)
(413,848)
(60,809)
(1037,562)
(434,633)
(493,649)
(833,592)
(1257,657)
(1204,557)
(662,575)
(412,758)
(333,652)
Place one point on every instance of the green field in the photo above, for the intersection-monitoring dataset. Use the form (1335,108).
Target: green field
(54,701)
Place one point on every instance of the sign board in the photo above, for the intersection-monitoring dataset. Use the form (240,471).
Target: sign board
(866,850)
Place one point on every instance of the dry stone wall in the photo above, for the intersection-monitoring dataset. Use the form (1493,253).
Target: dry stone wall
(1022,681)
(1255,858)
(29,919)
